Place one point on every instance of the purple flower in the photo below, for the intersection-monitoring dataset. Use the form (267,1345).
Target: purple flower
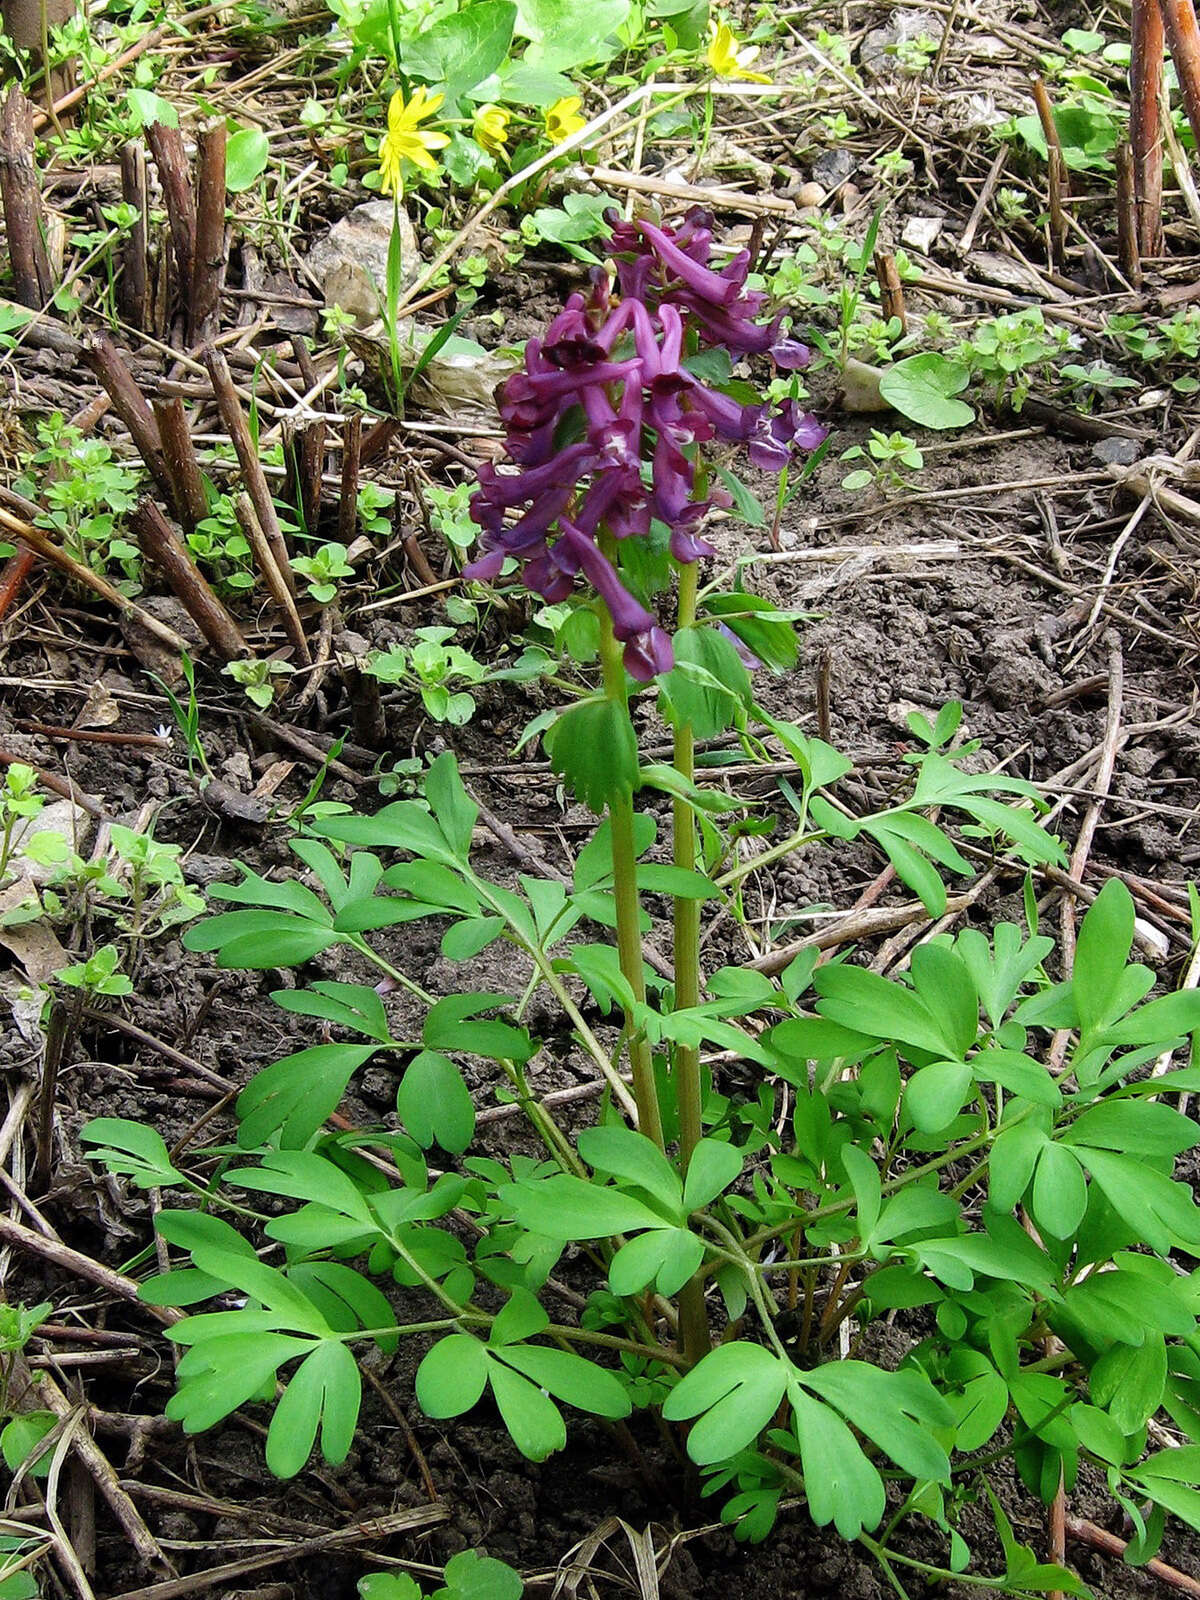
(781,435)
(610,377)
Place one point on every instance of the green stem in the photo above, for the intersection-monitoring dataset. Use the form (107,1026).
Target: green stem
(625,893)
(687,910)
(693,1317)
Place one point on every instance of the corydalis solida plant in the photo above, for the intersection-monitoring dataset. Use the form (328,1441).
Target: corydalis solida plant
(606,424)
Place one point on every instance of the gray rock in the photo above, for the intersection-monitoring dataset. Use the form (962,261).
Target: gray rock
(1117,452)
(833,167)
(877,56)
(350,262)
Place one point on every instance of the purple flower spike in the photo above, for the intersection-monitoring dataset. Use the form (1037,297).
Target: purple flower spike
(610,376)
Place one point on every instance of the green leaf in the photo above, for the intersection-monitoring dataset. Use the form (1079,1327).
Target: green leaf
(350,1005)
(460,50)
(1019,1074)
(1128,1381)
(21,1436)
(669,1256)
(593,748)
(1102,950)
(218,1375)
(435,1104)
(867,1003)
(707,685)
(462,941)
(1159,1021)
(935,1095)
(922,388)
(1004,1253)
(246,154)
(1134,1127)
(566,36)
(764,629)
(520,1319)
(452,1376)
(389,1586)
(571,1378)
(735,1390)
(454,1023)
(402,825)
(841,1485)
(146,107)
(257,940)
(470,1576)
(1163,1212)
(534,1422)
(897,1410)
(456,813)
(1059,1192)
(293,1097)
(945,984)
(304,1175)
(864,1180)
(566,1207)
(132,1150)
(325,1388)
(746,505)
(713,1167)
(630,1156)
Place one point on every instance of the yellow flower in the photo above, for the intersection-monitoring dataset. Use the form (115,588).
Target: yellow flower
(406,140)
(563,119)
(726,60)
(490,128)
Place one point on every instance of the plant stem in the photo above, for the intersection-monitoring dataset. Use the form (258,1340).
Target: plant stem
(625,893)
(693,1318)
(687,910)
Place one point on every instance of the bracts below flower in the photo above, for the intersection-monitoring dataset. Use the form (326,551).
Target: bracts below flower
(605,424)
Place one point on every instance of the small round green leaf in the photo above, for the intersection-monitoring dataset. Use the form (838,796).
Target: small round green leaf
(922,388)
(452,1376)
(246,155)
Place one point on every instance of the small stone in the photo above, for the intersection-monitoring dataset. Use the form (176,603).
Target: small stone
(833,167)
(810,194)
(920,232)
(1117,452)
(350,262)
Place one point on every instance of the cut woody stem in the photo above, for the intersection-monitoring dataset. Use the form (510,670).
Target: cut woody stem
(1145,81)
(1183,36)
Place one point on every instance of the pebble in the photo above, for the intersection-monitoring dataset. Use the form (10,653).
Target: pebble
(810,194)
(1117,451)
(833,167)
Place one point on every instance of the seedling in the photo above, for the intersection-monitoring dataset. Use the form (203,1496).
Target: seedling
(323,570)
(888,456)
(442,673)
(22,1431)
(98,975)
(256,676)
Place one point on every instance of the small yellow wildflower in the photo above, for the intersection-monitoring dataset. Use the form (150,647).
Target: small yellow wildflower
(563,119)
(406,140)
(490,128)
(726,60)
